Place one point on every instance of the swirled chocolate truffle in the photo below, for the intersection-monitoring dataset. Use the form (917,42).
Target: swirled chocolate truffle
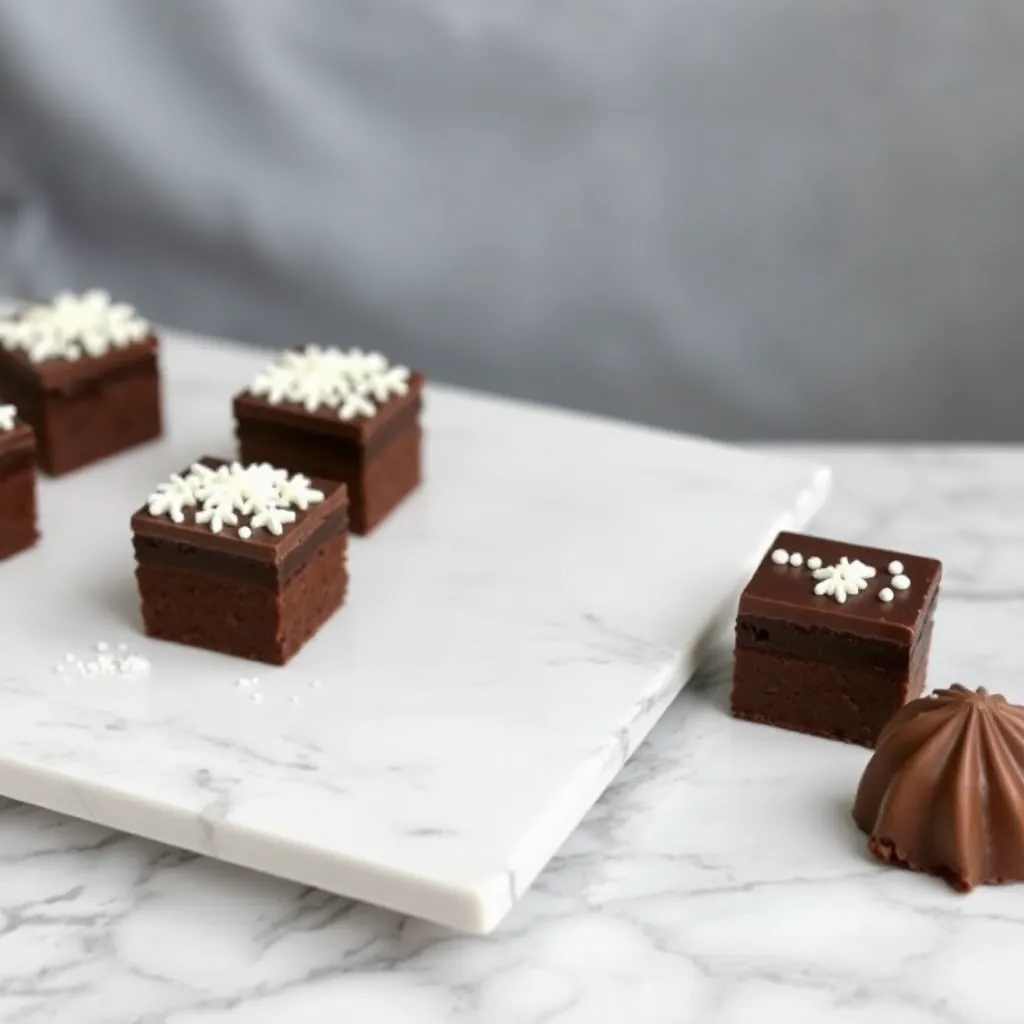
(944,791)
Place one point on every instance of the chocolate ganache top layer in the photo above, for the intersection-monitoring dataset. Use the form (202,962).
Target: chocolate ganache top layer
(944,791)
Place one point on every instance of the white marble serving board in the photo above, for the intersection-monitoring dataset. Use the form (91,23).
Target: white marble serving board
(510,636)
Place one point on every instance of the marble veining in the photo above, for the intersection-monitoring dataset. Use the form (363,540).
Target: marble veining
(719,880)
(511,635)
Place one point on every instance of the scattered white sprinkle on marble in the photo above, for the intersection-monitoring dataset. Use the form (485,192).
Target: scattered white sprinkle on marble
(107,662)
(901,582)
(72,326)
(244,532)
(780,556)
(352,382)
(796,559)
(315,684)
(246,682)
(895,567)
(294,699)
(7,415)
(256,698)
(886,595)
(814,562)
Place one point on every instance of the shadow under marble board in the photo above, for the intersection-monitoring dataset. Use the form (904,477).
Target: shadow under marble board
(510,636)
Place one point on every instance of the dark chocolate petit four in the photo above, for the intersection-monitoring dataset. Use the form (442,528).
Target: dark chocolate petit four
(83,371)
(248,560)
(341,415)
(17,483)
(833,638)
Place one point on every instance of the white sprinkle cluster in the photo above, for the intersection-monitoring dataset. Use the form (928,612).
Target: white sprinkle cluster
(842,580)
(268,497)
(72,326)
(353,382)
(846,578)
(8,413)
(119,662)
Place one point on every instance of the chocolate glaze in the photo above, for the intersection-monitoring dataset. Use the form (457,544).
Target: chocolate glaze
(66,375)
(193,558)
(820,643)
(944,791)
(783,593)
(393,415)
(262,547)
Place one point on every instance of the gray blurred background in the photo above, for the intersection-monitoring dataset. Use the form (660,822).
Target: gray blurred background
(745,218)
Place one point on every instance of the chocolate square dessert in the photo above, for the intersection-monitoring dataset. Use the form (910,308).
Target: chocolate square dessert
(17,483)
(243,559)
(83,372)
(341,415)
(833,638)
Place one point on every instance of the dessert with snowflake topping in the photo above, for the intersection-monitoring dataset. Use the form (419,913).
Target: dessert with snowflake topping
(831,638)
(17,483)
(341,414)
(248,560)
(83,371)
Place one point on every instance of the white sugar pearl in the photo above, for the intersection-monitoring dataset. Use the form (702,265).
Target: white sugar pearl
(901,582)
(244,532)
(780,556)
(895,568)
(796,559)
(886,595)
(257,698)
(813,563)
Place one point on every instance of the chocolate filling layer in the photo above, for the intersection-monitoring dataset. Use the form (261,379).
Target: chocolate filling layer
(821,644)
(17,461)
(330,446)
(194,558)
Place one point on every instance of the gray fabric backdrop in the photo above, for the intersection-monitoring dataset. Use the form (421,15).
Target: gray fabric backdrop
(741,217)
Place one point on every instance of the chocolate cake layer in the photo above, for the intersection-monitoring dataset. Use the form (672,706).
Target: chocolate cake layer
(18,529)
(823,698)
(242,619)
(239,568)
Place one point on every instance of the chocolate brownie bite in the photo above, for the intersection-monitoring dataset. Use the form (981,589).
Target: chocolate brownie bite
(83,371)
(833,638)
(342,415)
(247,560)
(17,483)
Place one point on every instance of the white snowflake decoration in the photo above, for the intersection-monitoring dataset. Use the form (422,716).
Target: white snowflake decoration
(7,415)
(266,496)
(353,382)
(842,580)
(72,326)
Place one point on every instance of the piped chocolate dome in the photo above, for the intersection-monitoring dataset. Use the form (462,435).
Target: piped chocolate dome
(944,791)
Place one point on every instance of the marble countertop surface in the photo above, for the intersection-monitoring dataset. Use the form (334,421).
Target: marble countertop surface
(720,880)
